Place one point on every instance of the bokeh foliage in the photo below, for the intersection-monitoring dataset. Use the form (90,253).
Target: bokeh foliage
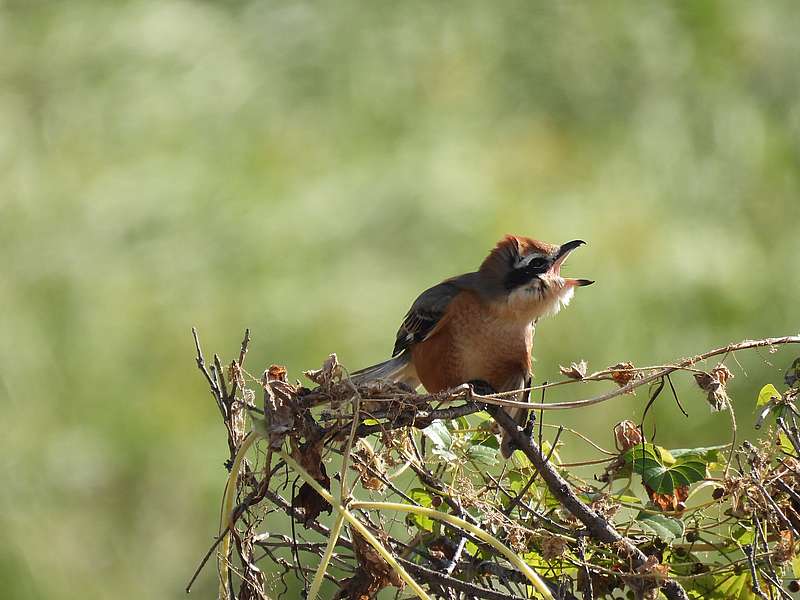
(306,169)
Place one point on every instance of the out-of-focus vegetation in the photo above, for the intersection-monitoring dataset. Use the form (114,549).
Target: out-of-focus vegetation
(306,169)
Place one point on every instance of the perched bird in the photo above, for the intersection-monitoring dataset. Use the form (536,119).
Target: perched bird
(478,327)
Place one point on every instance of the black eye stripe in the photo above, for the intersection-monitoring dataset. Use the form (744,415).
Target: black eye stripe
(539,264)
(524,274)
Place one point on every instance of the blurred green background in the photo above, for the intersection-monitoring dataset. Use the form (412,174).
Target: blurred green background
(305,169)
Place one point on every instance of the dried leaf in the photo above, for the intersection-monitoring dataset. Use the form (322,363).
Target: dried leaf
(623,373)
(783,551)
(627,435)
(713,383)
(279,410)
(369,468)
(553,547)
(331,370)
(670,502)
(373,572)
(575,370)
(276,373)
(309,500)
(647,588)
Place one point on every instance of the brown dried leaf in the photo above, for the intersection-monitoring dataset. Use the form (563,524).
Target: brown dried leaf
(369,468)
(623,373)
(279,410)
(606,506)
(784,548)
(553,547)
(309,456)
(309,500)
(603,584)
(647,588)
(575,370)
(331,370)
(627,435)
(276,373)
(670,502)
(713,383)
(373,572)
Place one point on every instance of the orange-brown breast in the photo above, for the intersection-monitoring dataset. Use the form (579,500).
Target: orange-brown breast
(475,341)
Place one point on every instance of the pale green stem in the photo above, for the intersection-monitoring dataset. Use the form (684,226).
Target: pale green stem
(512,557)
(358,526)
(323,566)
(227,509)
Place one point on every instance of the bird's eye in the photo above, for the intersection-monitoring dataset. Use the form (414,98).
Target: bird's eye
(539,264)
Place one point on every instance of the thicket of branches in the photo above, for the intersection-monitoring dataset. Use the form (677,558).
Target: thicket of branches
(386,490)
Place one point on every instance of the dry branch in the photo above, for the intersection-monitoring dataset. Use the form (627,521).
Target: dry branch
(495,519)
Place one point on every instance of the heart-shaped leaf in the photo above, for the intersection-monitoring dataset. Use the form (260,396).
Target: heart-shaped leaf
(662,471)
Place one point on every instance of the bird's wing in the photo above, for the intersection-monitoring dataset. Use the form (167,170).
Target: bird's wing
(426,313)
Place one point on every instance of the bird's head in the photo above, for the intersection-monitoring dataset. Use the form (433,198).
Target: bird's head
(529,273)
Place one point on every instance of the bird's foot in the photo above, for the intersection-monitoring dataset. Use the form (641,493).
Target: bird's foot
(530,423)
(482,388)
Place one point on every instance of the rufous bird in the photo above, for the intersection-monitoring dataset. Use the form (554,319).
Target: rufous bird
(478,327)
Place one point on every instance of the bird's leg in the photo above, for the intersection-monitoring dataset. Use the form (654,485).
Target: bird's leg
(531,417)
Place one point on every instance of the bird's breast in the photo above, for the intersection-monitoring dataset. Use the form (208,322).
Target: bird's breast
(478,341)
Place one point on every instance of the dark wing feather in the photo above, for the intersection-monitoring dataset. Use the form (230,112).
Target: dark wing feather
(425,313)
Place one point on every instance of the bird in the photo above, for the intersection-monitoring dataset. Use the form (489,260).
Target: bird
(478,327)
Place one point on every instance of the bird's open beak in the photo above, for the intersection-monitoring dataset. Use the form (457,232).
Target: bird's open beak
(564,251)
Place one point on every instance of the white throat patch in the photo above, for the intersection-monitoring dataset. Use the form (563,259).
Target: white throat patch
(536,300)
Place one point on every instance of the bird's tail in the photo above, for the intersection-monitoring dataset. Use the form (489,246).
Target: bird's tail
(398,369)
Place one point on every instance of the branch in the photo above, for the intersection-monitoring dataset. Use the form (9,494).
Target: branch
(599,528)
(497,399)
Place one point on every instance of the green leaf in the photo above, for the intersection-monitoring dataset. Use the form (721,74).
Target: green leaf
(483,438)
(796,567)
(785,444)
(708,454)
(663,526)
(661,471)
(516,481)
(735,587)
(555,458)
(743,535)
(768,393)
(483,454)
(420,522)
(437,433)
(421,496)
(444,454)
(424,498)
(592,496)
